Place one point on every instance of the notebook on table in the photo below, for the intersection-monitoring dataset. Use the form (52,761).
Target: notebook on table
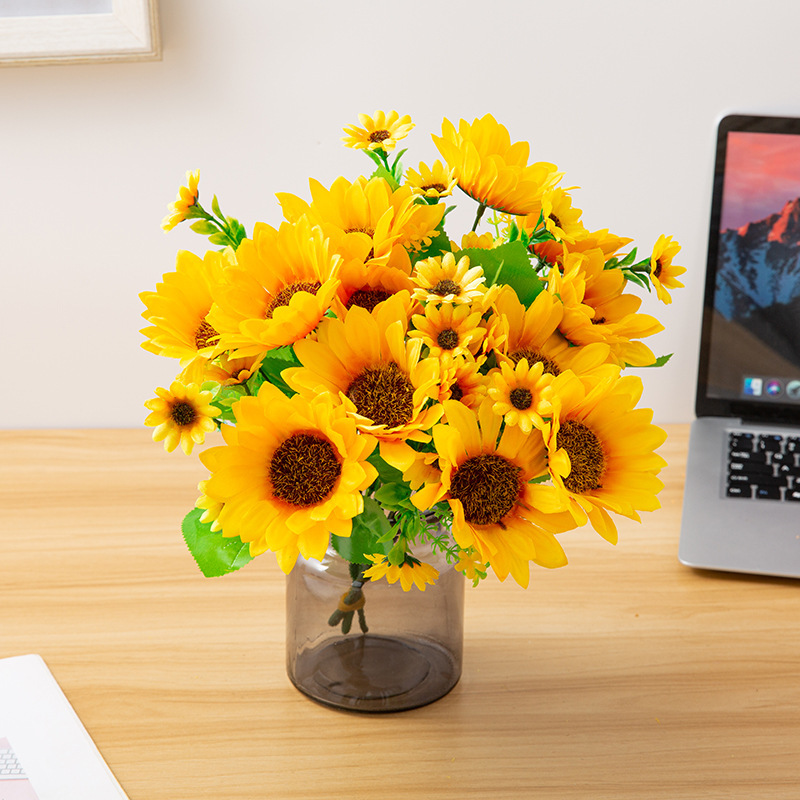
(741,509)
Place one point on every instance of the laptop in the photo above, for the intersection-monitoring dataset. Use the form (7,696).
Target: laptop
(741,508)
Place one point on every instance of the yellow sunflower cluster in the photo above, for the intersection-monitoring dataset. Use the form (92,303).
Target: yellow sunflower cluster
(367,375)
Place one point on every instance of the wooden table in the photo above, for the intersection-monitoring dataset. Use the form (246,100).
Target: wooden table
(624,675)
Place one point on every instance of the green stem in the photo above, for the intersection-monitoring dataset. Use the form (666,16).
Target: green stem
(481,209)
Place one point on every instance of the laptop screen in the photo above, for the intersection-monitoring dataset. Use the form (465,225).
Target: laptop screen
(750,349)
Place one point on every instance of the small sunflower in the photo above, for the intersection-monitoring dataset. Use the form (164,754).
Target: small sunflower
(187,197)
(178,310)
(443,280)
(381,131)
(379,376)
(471,566)
(521,394)
(223,369)
(448,331)
(505,519)
(663,273)
(181,415)
(412,572)
(283,283)
(561,219)
(492,170)
(435,181)
(602,449)
(462,380)
(478,241)
(291,474)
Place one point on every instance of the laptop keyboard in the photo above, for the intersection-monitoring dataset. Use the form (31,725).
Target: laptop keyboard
(763,466)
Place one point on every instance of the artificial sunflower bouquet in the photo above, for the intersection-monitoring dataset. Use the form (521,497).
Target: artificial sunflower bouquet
(379,385)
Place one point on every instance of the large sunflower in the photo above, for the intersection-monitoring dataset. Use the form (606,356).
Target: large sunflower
(178,310)
(283,283)
(290,474)
(366,219)
(497,512)
(597,309)
(517,332)
(555,252)
(492,170)
(380,377)
(366,285)
(602,449)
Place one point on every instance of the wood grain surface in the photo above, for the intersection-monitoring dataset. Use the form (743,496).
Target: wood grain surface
(624,675)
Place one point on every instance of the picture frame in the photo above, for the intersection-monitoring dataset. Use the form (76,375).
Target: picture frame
(81,31)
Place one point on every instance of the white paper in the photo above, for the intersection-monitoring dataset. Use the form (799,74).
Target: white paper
(59,758)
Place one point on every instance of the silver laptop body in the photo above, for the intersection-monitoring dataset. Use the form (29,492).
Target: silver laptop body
(741,509)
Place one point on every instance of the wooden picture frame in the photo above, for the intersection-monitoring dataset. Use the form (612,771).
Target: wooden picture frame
(127,32)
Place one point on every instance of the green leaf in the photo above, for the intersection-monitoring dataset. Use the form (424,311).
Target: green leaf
(615,262)
(214,553)
(226,396)
(368,528)
(215,207)
(384,173)
(221,239)
(397,159)
(635,277)
(204,227)
(660,361)
(509,263)
(394,496)
(275,362)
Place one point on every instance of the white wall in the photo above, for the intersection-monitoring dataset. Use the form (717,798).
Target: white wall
(622,95)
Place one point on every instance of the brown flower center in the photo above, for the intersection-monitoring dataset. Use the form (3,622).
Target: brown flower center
(379,136)
(657,270)
(447,339)
(437,187)
(183,413)
(598,320)
(488,486)
(367,298)
(535,357)
(285,295)
(555,220)
(205,335)
(383,394)
(368,231)
(304,469)
(445,287)
(456,392)
(521,398)
(585,454)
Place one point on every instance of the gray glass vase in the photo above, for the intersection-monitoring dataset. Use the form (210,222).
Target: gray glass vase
(373,647)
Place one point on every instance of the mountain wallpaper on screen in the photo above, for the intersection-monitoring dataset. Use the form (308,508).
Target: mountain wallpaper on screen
(758,279)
